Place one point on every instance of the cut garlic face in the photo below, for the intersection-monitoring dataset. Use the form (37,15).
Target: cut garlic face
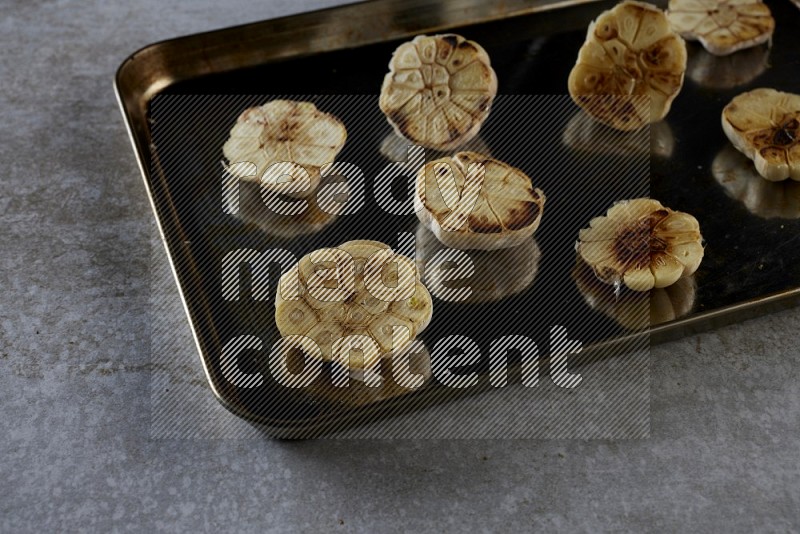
(495,274)
(288,142)
(438,91)
(635,310)
(351,300)
(722,26)
(764,124)
(642,244)
(470,201)
(765,199)
(630,68)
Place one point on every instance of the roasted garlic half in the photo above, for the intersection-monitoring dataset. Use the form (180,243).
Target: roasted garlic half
(350,301)
(472,201)
(630,68)
(288,142)
(722,26)
(438,91)
(641,244)
(764,124)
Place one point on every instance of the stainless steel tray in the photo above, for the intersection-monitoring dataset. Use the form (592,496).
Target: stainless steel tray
(751,266)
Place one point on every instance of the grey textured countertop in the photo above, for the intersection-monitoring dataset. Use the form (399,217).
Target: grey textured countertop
(76,273)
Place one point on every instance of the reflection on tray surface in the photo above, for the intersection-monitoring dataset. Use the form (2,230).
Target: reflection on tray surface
(635,310)
(726,72)
(736,173)
(395,148)
(497,273)
(358,393)
(587,135)
(324,205)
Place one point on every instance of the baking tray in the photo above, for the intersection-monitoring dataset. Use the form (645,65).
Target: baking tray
(751,264)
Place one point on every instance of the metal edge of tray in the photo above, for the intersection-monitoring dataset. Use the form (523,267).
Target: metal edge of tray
(155,67)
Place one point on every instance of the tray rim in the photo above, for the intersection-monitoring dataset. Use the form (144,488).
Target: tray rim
(136,83)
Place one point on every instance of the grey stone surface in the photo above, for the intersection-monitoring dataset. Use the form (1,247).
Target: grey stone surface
(75,444)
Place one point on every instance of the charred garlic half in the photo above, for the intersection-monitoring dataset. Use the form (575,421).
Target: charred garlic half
(630,68)
(722,26)
(349,301)
(642,244)
(296,135)
(471,201)
(764,124)
(438,91)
